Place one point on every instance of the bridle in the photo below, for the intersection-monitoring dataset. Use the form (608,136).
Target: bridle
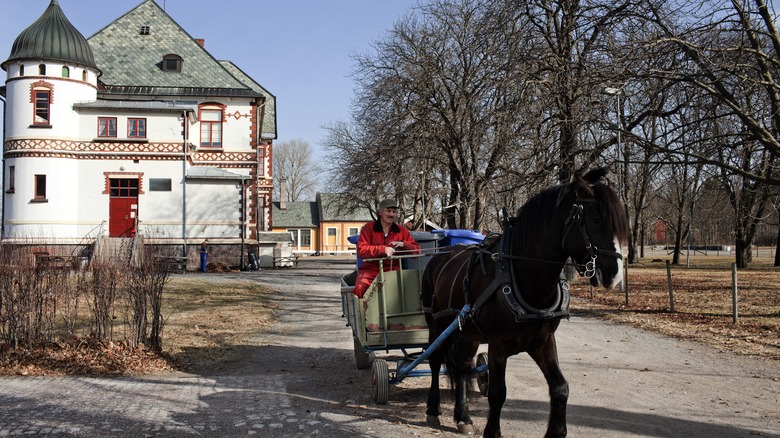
(576,218)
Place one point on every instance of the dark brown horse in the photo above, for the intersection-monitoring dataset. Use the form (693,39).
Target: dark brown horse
(513,284)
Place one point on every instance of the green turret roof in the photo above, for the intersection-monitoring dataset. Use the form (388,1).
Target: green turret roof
(52,38)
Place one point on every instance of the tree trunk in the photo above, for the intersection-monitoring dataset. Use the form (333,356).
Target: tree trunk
(741,253)
(678,239)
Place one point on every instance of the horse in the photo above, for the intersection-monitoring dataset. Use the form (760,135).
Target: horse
(517,295)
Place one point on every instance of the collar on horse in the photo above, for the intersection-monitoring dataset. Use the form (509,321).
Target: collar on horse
(505,283)
(505,280)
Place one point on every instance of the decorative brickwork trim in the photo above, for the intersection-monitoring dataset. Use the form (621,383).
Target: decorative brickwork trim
(42,84)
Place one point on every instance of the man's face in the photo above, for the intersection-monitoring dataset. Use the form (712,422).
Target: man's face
(388,215)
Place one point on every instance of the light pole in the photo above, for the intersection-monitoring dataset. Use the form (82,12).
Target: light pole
(422,196)
(610,91)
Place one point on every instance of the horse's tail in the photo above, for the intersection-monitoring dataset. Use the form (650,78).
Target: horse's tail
(456,357)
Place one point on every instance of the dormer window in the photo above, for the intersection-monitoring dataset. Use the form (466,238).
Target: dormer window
(145,30)
(172,63)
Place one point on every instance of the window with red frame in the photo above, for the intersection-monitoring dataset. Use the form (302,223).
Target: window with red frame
(136,128)
(42,99)
(211,127)
(106,126)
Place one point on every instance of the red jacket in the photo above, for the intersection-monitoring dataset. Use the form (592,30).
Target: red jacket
(372,244)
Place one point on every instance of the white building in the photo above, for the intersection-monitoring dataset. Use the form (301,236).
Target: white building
(137,130)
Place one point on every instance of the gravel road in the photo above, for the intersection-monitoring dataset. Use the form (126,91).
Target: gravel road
(300,380)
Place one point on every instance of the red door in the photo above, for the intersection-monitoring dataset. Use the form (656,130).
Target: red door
(122,207)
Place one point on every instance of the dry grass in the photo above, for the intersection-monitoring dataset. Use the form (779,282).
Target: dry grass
(209,321)
(703,304)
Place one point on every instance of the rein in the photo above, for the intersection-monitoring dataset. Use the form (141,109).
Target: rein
(505,278)
(575,217)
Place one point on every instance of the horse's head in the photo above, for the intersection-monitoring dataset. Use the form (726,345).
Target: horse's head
(595,228)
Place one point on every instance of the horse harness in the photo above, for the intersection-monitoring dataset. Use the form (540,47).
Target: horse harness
(505,280)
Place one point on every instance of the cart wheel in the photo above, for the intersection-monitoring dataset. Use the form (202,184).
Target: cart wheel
(362,357)
(483,378)
(380,381)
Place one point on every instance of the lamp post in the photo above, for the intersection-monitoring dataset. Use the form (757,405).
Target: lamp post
(422,197)
(616,92)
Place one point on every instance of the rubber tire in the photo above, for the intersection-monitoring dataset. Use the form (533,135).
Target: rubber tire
(362,357)
(483,378)
(380,381)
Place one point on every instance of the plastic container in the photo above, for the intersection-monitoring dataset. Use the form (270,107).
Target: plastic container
(354,240)
(428,243)
(457,237)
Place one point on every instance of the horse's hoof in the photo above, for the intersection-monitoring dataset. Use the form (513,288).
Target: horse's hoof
(432,420)
(466,429)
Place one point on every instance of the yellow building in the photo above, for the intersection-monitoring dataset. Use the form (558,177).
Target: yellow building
(321,226)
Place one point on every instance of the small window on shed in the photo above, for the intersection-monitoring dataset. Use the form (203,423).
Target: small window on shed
(172,62)
(145,30)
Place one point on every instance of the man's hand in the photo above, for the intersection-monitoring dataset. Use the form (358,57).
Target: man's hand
(397,244)
(389,250)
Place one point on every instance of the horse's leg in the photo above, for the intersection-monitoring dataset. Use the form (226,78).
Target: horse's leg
(546,356)
(497,357)
(462,376)
(434,399)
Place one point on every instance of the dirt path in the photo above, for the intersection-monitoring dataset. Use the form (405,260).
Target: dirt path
(623,381)
(299,380)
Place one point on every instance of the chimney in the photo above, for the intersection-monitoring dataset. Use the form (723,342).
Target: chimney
(282,193)
(201,42)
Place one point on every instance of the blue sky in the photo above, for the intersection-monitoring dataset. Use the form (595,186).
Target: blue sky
(299,50)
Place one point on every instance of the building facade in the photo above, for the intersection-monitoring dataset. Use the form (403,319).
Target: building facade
(137,130)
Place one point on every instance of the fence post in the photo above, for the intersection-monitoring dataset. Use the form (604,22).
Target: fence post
(625,277)
(734,300)
(669,283)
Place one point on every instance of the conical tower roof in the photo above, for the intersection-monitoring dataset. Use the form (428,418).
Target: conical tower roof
(52,38)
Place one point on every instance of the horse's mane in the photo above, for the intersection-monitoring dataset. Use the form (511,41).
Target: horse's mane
(534,217)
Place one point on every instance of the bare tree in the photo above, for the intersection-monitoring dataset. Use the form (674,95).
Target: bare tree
(293,160)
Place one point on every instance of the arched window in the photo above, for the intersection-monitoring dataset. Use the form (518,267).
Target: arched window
(21,69)
(172,62)
(42,99)
(211,116)
(84,75)
(42,69)
(65,72)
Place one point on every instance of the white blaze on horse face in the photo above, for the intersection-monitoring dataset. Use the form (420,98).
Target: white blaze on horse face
(618,278)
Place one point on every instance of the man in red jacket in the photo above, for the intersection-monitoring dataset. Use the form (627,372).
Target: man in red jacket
(382,238)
